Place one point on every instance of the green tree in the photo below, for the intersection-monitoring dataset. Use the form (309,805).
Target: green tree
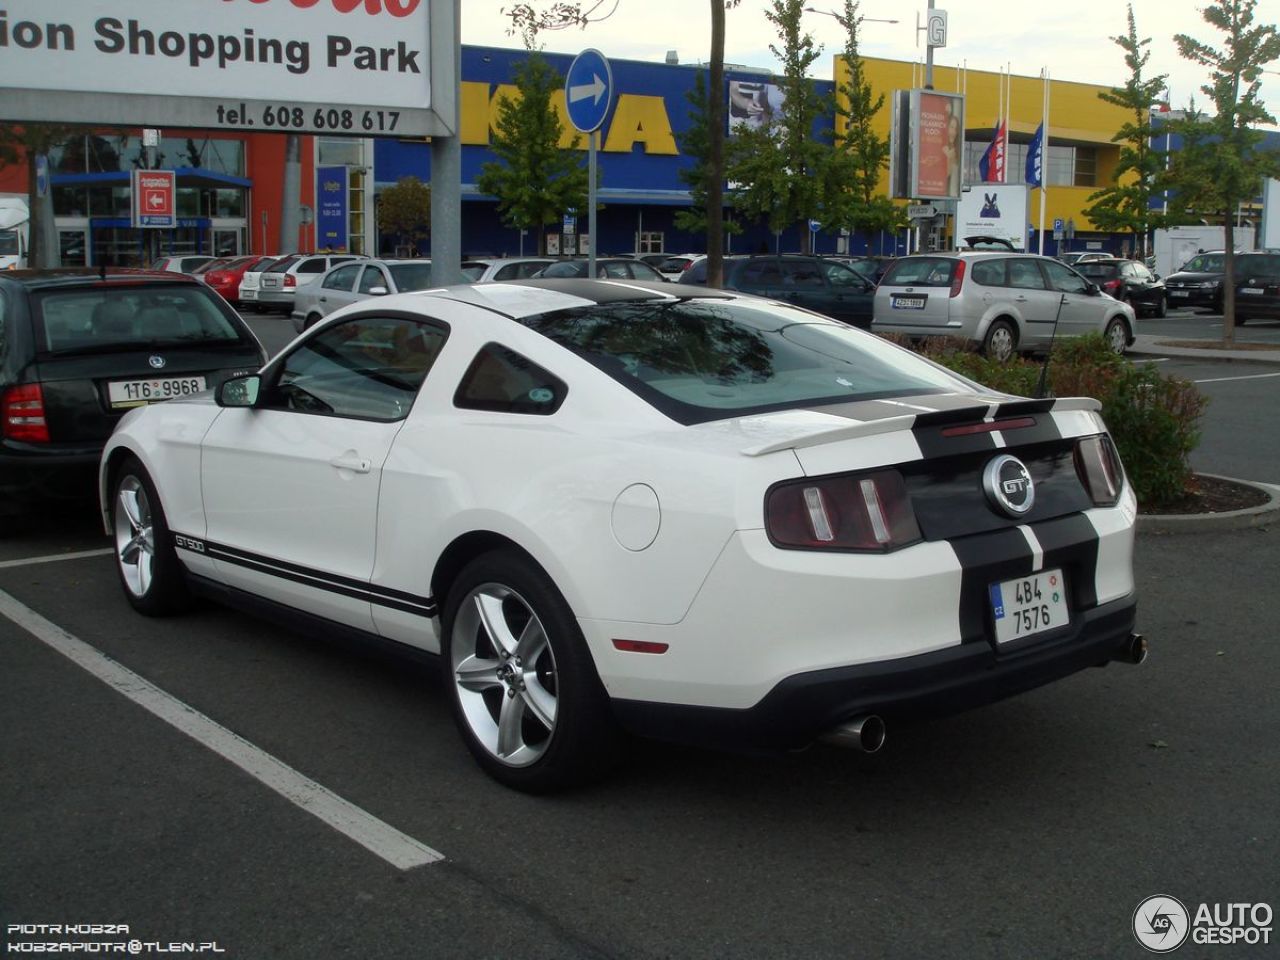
(535,180)
(782,172)
(695,143)
(1125,204)
(405,210)
(862,155)
(1222,167)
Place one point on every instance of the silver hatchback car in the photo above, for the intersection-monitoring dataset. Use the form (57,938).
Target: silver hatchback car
(1003,303)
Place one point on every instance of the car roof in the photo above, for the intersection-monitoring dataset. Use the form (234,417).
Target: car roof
(526,298)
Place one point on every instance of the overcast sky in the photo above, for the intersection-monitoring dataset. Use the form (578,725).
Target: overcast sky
(1071,38)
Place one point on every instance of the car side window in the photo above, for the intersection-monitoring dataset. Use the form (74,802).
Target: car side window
(1025,275)
(801,273)
(1062,277)
(341,279)
(988,273)
(761,273)
(642,271)
(366,368)
(318,265)
(502,381)
(838,275)
(373,277)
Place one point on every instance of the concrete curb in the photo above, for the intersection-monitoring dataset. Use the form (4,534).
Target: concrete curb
(1250,517)
(1150,345)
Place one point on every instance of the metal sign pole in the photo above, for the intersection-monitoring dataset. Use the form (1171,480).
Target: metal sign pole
(591,203)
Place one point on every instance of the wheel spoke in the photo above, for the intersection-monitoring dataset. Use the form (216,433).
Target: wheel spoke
(540,704)
(129,503)
(489,609)
(144,569)
(510,723)
(477,674)
(532,642)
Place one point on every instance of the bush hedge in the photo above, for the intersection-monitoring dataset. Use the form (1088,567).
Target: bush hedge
(1154,420)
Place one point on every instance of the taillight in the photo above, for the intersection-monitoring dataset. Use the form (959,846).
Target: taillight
(865,512)
(1111,286)
(22,410)
(290,280)
(1098,467)
(957,278)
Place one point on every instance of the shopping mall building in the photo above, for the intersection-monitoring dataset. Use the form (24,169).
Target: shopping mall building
(230,187)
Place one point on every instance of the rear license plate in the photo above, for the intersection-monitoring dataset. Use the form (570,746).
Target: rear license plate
(134,393)
(1256,291)
(907,303)
(1029,605)
(1179,293)
(248,294)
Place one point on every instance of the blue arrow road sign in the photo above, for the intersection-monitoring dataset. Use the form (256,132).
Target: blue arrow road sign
(588,89)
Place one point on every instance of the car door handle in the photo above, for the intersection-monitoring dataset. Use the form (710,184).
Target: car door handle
(324,299)
(1019,299)
(351,461)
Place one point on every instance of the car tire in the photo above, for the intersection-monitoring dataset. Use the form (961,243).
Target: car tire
(311,321)
(1241,321)
(1001,341)
(1117,336)
(1162,307)
(146,561)
(524,690)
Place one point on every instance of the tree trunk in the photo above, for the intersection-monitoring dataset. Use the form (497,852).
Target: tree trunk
(715,159)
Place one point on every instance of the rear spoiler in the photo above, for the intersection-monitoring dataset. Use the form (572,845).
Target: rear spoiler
(855,429)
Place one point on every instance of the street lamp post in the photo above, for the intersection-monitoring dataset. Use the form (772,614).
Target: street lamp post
(841,20)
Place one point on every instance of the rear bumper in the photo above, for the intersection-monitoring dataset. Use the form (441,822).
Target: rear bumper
(1193,298)
(802,707)
(30,476)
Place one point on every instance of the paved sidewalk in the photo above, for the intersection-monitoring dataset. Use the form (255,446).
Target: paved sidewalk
(1147,344)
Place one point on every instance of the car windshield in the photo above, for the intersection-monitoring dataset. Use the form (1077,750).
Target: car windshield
(129,317)
(282,265)
(8,242)
(920,272)
(698,360)
(1205,263)
(413,276)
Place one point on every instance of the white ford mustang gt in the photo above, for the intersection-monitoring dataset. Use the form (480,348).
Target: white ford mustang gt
(612,507)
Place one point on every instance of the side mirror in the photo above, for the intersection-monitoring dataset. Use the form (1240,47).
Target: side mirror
(378,291)
(1092,289)
(238,392)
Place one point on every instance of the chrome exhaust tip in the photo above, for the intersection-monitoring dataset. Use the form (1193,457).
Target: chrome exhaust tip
(862,733)
(1135,650)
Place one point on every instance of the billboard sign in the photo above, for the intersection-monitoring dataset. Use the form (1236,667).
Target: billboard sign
(339,67)
(332,225)
(154,199)
(1271,215)
(994,210)
(926,145)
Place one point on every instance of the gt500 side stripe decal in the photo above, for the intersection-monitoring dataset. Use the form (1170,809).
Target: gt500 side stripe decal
(296,573)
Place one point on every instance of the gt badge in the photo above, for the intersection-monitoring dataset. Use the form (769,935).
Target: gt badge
(1009,486)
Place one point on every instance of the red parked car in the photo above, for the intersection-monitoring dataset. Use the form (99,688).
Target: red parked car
(225,279)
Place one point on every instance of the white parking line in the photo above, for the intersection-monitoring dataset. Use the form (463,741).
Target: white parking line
(398,849)
(1252,376)
(53,558)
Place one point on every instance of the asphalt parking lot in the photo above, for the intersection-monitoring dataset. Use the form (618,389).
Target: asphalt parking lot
(1032,828)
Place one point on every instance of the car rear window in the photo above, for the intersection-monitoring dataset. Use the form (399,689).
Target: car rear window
(1265,265)
(698,360)
(920,272)
(129,317)
(1096,270)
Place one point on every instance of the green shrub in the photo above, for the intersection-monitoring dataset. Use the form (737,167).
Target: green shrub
(1154,420)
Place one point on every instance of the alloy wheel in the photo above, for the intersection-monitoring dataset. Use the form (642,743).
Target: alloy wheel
(505,674)
(135,539)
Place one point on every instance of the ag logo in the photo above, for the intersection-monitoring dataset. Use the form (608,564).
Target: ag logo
(1161,924)
(1009,486)
(156,361)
